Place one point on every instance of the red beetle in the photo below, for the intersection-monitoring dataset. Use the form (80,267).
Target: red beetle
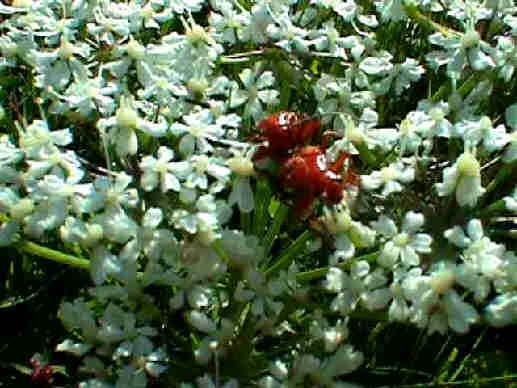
(284,132)
(42,374)
(304,169)
(310,175)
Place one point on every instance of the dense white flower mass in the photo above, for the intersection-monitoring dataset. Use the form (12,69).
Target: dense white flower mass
(130,147)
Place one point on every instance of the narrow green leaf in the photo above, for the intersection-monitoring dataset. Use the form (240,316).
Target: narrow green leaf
(290,253)
(260,214)
(279,216)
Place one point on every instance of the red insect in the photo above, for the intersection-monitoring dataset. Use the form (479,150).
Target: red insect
(284,132)
(310,175)
(304,169)
(42,375)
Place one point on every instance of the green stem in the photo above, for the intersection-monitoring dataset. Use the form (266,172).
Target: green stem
(322,272)
(50,254)
(290,253)
(278,220)
(496,207)
(262,200)
(415,15)
(366,155)
(216,246)
(463,90)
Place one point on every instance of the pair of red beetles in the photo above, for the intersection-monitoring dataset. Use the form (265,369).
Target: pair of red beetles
(304,169)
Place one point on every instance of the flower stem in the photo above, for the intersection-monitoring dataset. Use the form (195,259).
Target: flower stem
(50,254)
(290,253)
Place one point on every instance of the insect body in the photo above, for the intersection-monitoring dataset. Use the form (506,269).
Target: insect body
(309,175)
(284,132)
(303,170)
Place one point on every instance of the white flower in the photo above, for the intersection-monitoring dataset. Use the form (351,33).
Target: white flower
(389,178)
(201,322)
(404,245)
(162,171)
(483,259)
(79,314)
(502,310)
(338,95)
(322,372)
(64,165)
(287,35)
(262,293)
(56,68)
(360,286)
(87,95)
(399,307)
(348,233)
(257,91)
(392,10)
(481,130)
(328,40)
(194,52)
(332,336)
(37,140)
(256,30)
(436,305)
(462,50)
(113,193)
(125,123)
(9,153)
(103,264)
(434,122)
(106,28)
(241,193)
(228,22)
(18,209)
(409,138)
(464,177)
(204,222)
(77,349)
(509,268)
(55,199)
(199,127)
(204,166)
(142,354)
(77,231)
(243,250)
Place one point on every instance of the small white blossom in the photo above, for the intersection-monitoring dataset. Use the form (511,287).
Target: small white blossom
(348,233)
(360,286)
(204,166)
(483,259)
(436,305)
(242,193)
(390,178)
(125,123)
(502,311)
(404,245)
(257,91)
(37,140)
(474,132)
(162,171)
(464,177)
(199,127)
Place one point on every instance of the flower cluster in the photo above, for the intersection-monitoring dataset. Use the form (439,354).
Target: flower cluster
(157,181)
